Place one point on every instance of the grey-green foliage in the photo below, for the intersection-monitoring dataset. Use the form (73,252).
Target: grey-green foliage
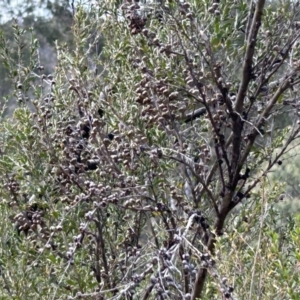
(287,171)
(54,24)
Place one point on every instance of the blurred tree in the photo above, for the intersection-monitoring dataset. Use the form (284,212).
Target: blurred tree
(51,22)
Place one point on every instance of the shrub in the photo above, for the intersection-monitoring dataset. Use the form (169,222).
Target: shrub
(140,174)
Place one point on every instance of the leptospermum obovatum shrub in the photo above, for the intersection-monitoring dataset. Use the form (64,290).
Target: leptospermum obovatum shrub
(133,166)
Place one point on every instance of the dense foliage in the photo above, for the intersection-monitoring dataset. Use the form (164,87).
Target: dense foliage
(141,171)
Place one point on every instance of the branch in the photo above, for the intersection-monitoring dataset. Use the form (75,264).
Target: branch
(194,114)
(205,187)
(263,116)
(237,124)
(101,244)
(247,67)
